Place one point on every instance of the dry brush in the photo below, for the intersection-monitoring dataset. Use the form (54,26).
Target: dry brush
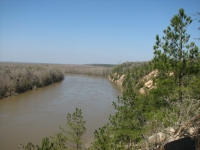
(18,77)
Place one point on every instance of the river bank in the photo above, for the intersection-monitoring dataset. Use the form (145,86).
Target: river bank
(35,114)
(96,70)
(17,78)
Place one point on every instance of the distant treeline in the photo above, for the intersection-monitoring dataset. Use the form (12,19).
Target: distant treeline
(19,77)
(102,65)
(87,70)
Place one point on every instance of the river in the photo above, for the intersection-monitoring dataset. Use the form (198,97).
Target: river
(35,114)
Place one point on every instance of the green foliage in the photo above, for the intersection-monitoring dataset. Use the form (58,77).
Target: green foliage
(76,128)
(101,65)
(103,138)
(69,138)
(197,17)
(129,122)
(178,64)
(195,86)
(125,123)
(59,141)
(133,72)
(175,98)
(175,55)
(46,145)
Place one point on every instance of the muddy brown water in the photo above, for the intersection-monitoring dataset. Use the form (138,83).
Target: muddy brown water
(36,114)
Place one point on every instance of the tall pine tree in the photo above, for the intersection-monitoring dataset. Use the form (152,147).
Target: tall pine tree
(173,55)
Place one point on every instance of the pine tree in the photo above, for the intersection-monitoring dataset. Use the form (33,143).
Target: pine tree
(178,63)
(173,54)
(69,138)
(197,17)
(102,139)
(76,128)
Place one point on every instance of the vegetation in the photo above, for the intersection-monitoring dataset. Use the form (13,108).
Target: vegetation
(133,71)
(66,139)
(101,65)
(87,69)
(171,104)
(166,112)
(177,57)
(197,17)
(18,78)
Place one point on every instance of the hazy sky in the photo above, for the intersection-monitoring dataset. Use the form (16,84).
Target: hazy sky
(86,31)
